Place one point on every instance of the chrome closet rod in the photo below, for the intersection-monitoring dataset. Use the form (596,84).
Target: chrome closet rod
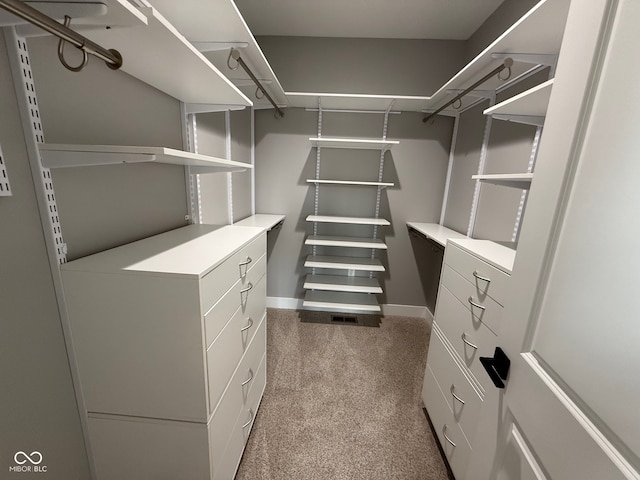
(508,62)
(236,56)
(112,58)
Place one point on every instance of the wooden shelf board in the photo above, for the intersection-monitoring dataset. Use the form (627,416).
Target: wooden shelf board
(63,156)
(515,180)
(262,220)
(435,232)
(338,283)
(160,56)
(349,220)
(344,263)
(356,143)
(350,182)
(532,102)
(341,301)
(331,241)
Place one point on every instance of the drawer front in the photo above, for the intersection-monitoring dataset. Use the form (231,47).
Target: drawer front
(219,280)
(461,397)
(228,465)
(472,268)
(236,394)
(483,307)
(455,446)
(247,295)
(469,337)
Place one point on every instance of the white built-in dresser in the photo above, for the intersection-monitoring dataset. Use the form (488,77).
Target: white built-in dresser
(473,283)
(170,339)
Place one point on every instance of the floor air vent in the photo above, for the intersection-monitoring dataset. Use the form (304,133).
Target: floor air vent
(344,319)
(310,316)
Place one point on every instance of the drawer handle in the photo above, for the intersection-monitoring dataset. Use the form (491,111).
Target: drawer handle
(251,414)
(248,379)
(246,265)
(477,305)
(464,339)
(245,290)
(444,433)
(480,277)
(454,394)
(246,262)
(248,326)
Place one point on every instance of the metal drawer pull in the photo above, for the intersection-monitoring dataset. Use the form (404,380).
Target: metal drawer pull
(454,394)
(477,305)
(246,262)
(464,339)
(480,277)
(444,432)
(250,420)
(248,379)
(245,290)
(248,326)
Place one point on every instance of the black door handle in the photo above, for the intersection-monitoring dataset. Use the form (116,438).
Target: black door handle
(497,367)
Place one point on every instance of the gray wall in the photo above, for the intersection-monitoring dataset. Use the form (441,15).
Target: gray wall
(38,404)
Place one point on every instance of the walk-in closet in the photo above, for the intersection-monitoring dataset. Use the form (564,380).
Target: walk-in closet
(268,240)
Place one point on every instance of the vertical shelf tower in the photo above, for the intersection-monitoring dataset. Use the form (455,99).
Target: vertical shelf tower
(346,283)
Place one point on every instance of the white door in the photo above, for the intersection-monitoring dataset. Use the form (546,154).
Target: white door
(571,406)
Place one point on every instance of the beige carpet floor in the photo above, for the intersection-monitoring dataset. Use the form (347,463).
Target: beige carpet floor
(343,402)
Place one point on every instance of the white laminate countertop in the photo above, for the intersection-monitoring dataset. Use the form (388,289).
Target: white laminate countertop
(435,232)
(264,220)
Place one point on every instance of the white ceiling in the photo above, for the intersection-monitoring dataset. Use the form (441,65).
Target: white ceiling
(418,19)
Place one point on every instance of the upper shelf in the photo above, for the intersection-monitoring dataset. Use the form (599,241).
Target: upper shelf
(358,143)
(214,26)
(355,183)
(528,107)
(356,101)
(61,156)
(515,180)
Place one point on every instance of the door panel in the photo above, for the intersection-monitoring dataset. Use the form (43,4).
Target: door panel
(518,461)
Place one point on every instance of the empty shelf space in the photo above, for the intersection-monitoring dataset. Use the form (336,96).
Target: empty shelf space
(349,220)
(528,107)
(331,241)
(358,143)
(350,182)
(515,180)
(62,156)
(341,301)
(340,283)
(435,232)
(344,263)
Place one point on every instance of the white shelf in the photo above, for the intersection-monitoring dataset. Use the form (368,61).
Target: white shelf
(330,241)
(344,263)
(341,301)
(528,107)
(213,27)
(357,143)
(515,180)
(356,101)
(435,232)
(355,183)
(349,220)
(338,283)
(262,220)
(160,56)
(63,156)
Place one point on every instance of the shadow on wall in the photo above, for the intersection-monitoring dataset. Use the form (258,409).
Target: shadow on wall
(428,255)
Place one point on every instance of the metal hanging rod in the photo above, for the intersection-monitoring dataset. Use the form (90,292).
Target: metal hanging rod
(235,54)
(111,57)
(508,62)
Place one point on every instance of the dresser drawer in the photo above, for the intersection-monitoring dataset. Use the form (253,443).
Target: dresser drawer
(483,307)
(219,280)
(487,279)
(470,338)
(455,446)
(245,294)
(462,398)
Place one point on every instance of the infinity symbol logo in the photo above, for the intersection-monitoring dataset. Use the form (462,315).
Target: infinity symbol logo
(35,458)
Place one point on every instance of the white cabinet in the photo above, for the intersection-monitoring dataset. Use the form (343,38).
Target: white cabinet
(170,337)
(473,283)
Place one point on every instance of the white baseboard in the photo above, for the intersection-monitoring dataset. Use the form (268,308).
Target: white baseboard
(387,309)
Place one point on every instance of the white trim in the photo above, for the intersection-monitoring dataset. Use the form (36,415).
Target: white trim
(227,124)
(452,154)
(253,160)
(284,303)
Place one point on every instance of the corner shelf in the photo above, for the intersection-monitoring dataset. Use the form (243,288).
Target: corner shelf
(341,301)
(339,283)
(435,232)
(515,180)
(65,156)
(353,183)
(356,143)
(344,263)
(348,220)
(529,107)
(355,242)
